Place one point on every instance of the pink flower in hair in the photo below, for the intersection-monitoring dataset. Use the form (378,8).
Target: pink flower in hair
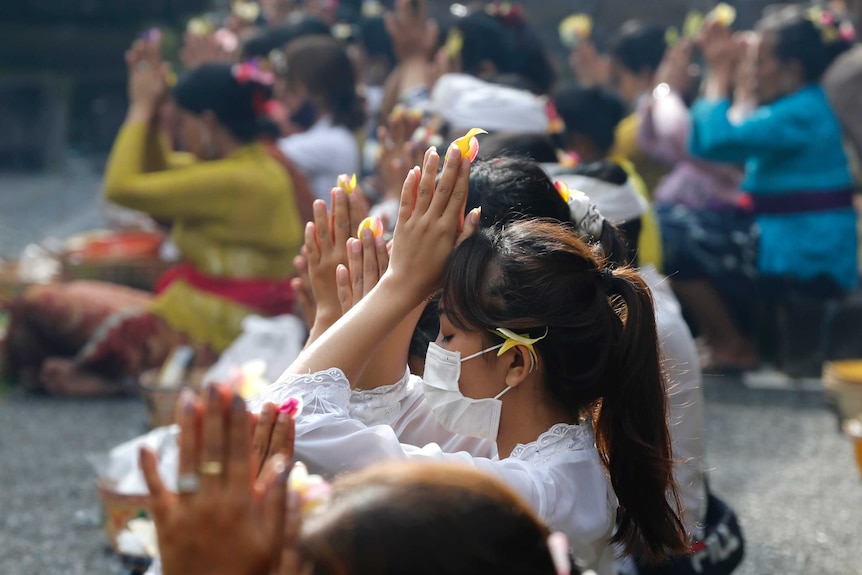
(847,32)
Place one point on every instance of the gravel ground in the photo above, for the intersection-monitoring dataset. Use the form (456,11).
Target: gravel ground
(776,457)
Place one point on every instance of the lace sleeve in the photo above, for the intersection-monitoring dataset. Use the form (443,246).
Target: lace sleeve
(382,405)
(321,391)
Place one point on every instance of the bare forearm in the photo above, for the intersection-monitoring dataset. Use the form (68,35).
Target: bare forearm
(718,84)
(350,343)
(387,364)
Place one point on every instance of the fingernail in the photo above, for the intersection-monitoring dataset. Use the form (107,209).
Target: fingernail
(283,417)
(380,242)
(237,403)
(356,246)
(432,149)
(294,501)
(280,467)
(366,234)
(187,400)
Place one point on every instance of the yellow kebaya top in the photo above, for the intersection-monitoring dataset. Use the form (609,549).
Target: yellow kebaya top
(232,218)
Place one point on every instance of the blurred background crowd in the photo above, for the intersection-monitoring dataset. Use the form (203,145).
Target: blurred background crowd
(721,140)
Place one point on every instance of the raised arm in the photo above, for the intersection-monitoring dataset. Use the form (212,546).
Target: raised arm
(429,223)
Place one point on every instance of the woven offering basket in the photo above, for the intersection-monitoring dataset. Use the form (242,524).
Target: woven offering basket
(843,383)
(119,509)
(162,402)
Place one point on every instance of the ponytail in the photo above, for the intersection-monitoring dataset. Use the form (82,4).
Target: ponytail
(631,429)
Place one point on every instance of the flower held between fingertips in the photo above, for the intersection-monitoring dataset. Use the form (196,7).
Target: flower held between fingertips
(372,223)
(468,144)
(347,183)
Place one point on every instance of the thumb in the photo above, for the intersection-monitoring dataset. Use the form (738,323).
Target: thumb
(471,225)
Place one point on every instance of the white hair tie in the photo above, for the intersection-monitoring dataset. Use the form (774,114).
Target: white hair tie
(585,215)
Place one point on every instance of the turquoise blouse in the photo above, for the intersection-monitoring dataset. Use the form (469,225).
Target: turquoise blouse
(793,145)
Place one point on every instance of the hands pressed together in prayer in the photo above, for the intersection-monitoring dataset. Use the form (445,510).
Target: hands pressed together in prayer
(148,77)
(227,518)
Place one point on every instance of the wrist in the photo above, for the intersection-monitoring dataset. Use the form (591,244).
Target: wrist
(140,112)
(399,292)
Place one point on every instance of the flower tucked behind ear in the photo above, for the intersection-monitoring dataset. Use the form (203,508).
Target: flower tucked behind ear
(514,340)
(468,144)
(347,183)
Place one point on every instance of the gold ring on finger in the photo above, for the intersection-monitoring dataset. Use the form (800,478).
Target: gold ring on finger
(211,468)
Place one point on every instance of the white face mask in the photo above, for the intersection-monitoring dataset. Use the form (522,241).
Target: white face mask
(459,414)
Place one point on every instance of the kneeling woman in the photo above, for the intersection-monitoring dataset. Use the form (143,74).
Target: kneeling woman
(235,223)
(546,361)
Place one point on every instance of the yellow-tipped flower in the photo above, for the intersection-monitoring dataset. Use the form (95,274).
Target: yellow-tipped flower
(563,189)
(575,29)
(454,44)
(347,183)
(247,11)
(372,223)
(469,145)
(514,340)
(313,490)
(724,14)
(200,27)
(251,381)
(693,24)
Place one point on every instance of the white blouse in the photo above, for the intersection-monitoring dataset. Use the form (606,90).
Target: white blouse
(322,153)
(685,400)
(560,474)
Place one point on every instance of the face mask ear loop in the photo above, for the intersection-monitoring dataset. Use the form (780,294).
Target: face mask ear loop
(483,352)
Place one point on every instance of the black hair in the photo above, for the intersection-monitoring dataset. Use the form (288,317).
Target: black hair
(262,44)
(236,104)
(512,189)
(592,112)
(375,39)
(620,242)
(537,147)
(485,39)
(599,356)
(639,47)
(322,65)
(800,39)
(426,329)
(532,61)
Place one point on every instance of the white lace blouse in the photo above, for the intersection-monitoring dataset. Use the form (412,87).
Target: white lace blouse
(560,474)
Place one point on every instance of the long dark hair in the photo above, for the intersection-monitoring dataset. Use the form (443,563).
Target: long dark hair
(237,104)
(800,39)
(425,519)
(322,65)
(591,112)
(600,356)
(514,188)
(639,46)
